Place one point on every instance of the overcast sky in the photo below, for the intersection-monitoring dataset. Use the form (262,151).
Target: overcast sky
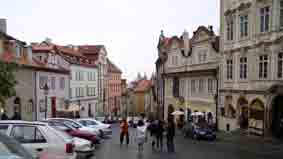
(128,28)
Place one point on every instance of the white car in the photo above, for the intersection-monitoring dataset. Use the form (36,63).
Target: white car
(77,125)
(92,123)
(39,138)
(83,148)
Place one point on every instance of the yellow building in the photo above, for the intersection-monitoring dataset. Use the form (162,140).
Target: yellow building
(140,92)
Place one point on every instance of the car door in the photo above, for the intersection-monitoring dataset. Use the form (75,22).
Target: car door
(31,137)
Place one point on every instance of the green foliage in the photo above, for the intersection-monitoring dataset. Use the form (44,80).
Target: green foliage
(7,81)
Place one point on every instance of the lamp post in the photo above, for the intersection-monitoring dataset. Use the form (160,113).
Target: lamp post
(45,91)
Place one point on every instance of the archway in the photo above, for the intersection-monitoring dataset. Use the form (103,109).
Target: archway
(256,117)
(170,111)
(243,113)
(277,116)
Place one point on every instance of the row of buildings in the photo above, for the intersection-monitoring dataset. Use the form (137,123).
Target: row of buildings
(237,75)
(58,80)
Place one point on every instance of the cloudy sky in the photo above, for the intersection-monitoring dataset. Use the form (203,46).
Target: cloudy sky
(128,28)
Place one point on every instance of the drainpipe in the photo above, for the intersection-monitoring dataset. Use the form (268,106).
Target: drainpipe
(35,95)
(216,97)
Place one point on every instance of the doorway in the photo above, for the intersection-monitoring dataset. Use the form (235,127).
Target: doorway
(243,113)
(277,117)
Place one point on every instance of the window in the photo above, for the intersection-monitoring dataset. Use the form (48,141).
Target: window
(91,76)
(229,69)
(193,86)
(174,60)
(42,81)
(264,19)
(263,65)
(280,65)
(62,83)
(71,92)
(18,50)
(244,25)
(79,92)
(81,76)
(77,76)
(4,128)
(210,85)
(243,68)
(230,29)
(281,13)
(176,87)
(201,85)
(91,91)
(182,87)
(53,83)
(202,56)
(27,134)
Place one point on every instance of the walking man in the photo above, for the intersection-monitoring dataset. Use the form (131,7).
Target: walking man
(170,135)
(124,132)
(159,134)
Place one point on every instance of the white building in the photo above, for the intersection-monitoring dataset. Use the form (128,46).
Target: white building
(82,82)
(252,67)
(84,89)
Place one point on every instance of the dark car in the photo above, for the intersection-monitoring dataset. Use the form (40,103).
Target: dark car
(199,131)
(74,132)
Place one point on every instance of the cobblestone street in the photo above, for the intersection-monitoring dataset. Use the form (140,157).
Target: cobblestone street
(187,148)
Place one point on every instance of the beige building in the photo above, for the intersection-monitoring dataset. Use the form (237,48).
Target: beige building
(252,67)
(190,71)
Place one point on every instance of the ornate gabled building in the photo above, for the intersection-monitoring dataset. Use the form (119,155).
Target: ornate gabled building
(252,67)
(187,72)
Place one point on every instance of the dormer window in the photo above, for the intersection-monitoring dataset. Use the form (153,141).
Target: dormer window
(18,50)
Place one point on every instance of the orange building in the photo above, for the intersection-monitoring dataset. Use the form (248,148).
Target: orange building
(140,92)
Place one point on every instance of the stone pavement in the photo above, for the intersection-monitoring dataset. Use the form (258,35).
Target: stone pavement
(225,147)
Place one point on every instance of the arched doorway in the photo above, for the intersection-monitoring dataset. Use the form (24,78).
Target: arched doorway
(243,113)
(256,117)
(170,111)
(277,116)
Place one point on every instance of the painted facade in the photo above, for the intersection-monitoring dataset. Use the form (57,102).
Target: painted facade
(189,70)
(251,69)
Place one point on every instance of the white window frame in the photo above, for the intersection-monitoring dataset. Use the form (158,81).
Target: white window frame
(264,13)
(244,25)
(201,85)
(229,69)
(193,86)
(210,85)
(263,66)
(243,68)
(230,29)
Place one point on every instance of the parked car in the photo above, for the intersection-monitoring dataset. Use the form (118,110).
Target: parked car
(38,138)
(11,149)
(105,129)
(75,124)
(199,131)
(101,119)
(73,131)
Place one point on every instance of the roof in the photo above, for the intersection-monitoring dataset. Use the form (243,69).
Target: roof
(71,55)
(90,49)
(9,37)
(143,86)
(112,67)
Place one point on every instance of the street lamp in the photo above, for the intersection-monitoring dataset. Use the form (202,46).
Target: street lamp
(45,89)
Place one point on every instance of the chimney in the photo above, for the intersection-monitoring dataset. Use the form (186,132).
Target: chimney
(48,40)
(210,28)
(186,41)
(3,25)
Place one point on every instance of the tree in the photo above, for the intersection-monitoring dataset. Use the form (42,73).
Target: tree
(7,81)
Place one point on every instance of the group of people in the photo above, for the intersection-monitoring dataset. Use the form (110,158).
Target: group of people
(16,116)
(156,129)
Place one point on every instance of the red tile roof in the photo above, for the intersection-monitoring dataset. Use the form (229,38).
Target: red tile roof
(143,86)
(90,49)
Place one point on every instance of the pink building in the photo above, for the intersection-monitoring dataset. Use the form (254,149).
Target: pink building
(114,89)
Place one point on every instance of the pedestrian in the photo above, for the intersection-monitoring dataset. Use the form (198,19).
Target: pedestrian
(170,135)
(141,135)
(4,116)
(16,116)
(152,129)
(124,132)
(159,134)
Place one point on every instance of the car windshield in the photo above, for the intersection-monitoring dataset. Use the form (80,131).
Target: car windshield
(10,147)
(73,124)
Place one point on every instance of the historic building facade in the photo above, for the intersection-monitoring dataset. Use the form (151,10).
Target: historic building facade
(189,71)
(252,67)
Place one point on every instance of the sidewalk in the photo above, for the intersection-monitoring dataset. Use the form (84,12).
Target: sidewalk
(250,141)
